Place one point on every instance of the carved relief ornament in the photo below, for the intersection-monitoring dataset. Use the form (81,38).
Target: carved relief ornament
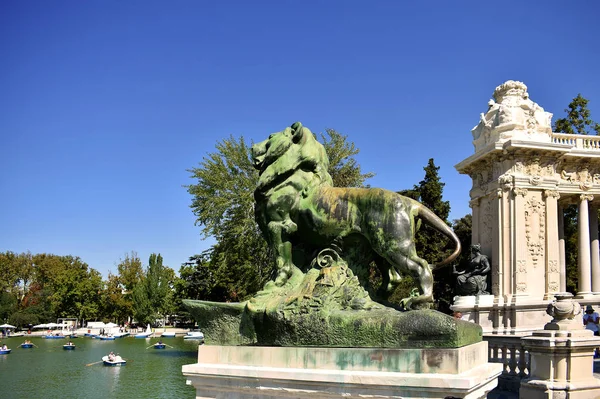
(551,194)
(586,197)
(535,229)
(582,177)
(520,191)
(505,181)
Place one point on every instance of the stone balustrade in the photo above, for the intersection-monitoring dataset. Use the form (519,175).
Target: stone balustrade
(578,141)
(508,351)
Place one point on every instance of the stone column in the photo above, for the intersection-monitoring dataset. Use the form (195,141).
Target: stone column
(520,249)
(561,249)
(583,255)
(474,204)
(497,249)
(594,249)
(552,252)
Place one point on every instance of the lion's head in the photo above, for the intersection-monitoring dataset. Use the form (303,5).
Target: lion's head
(292,150)
(268,151)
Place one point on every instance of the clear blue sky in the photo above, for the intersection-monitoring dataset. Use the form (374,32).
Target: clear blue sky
(105,104)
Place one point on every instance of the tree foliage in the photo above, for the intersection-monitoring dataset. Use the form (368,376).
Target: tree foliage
(343,167)
(153,295)
(578,119)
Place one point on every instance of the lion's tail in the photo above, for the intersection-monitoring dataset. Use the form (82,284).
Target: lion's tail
(434,221)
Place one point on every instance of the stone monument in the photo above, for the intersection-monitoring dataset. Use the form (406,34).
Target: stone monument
(318,330)
(523,175)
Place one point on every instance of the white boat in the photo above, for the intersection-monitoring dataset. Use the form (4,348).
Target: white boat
(116,361)
(121,334)
(197,335)
(146,334)
(168,334)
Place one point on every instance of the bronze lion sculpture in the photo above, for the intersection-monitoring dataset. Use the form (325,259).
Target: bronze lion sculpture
(297,203)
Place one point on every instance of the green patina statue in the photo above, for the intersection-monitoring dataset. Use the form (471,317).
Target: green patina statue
(295,201)
(323,238)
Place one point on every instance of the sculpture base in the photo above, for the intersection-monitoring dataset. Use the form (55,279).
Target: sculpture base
(247,372)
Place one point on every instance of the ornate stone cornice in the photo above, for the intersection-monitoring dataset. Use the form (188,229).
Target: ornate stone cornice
(551,194)
(474,202)
(520,191)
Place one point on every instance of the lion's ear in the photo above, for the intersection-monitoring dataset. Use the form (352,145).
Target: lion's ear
(297,131)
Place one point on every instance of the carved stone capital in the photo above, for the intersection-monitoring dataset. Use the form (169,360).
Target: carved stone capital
(474,202)
(520,191)
(551,194)
(586,197)
(499,193)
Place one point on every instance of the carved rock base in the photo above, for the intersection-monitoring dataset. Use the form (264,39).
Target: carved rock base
(304,372)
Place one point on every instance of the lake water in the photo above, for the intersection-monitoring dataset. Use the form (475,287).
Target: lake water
(49,371)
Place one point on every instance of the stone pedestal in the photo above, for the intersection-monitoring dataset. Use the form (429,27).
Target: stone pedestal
(562,360)
(245,372)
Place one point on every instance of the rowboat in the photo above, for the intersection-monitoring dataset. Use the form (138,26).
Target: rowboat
(197,335)
(167,335)
(5,351)
(106,337)
(146,334)
(24,345)
(117,361)
(69,347)
(121,335)
(54,336)
(159,345)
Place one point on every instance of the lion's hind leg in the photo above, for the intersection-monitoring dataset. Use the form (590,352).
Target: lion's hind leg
(420,270)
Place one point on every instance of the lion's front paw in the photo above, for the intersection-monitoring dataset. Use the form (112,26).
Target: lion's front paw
(406,304)
(281,279)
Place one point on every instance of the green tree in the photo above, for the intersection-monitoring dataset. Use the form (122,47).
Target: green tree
(195,279)
(152,296)
(343,167)
(240,262)
(130,270)
(578,119)
(115,306)
(131,273)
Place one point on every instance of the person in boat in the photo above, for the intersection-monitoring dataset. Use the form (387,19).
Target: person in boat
(118,358)
(160,342)
(111,356)
(4,347)
(70,343)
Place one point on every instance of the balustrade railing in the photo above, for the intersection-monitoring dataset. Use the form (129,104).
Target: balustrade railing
(508,351)
(578,141)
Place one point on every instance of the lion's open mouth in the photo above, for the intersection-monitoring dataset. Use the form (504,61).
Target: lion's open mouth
(258,161)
